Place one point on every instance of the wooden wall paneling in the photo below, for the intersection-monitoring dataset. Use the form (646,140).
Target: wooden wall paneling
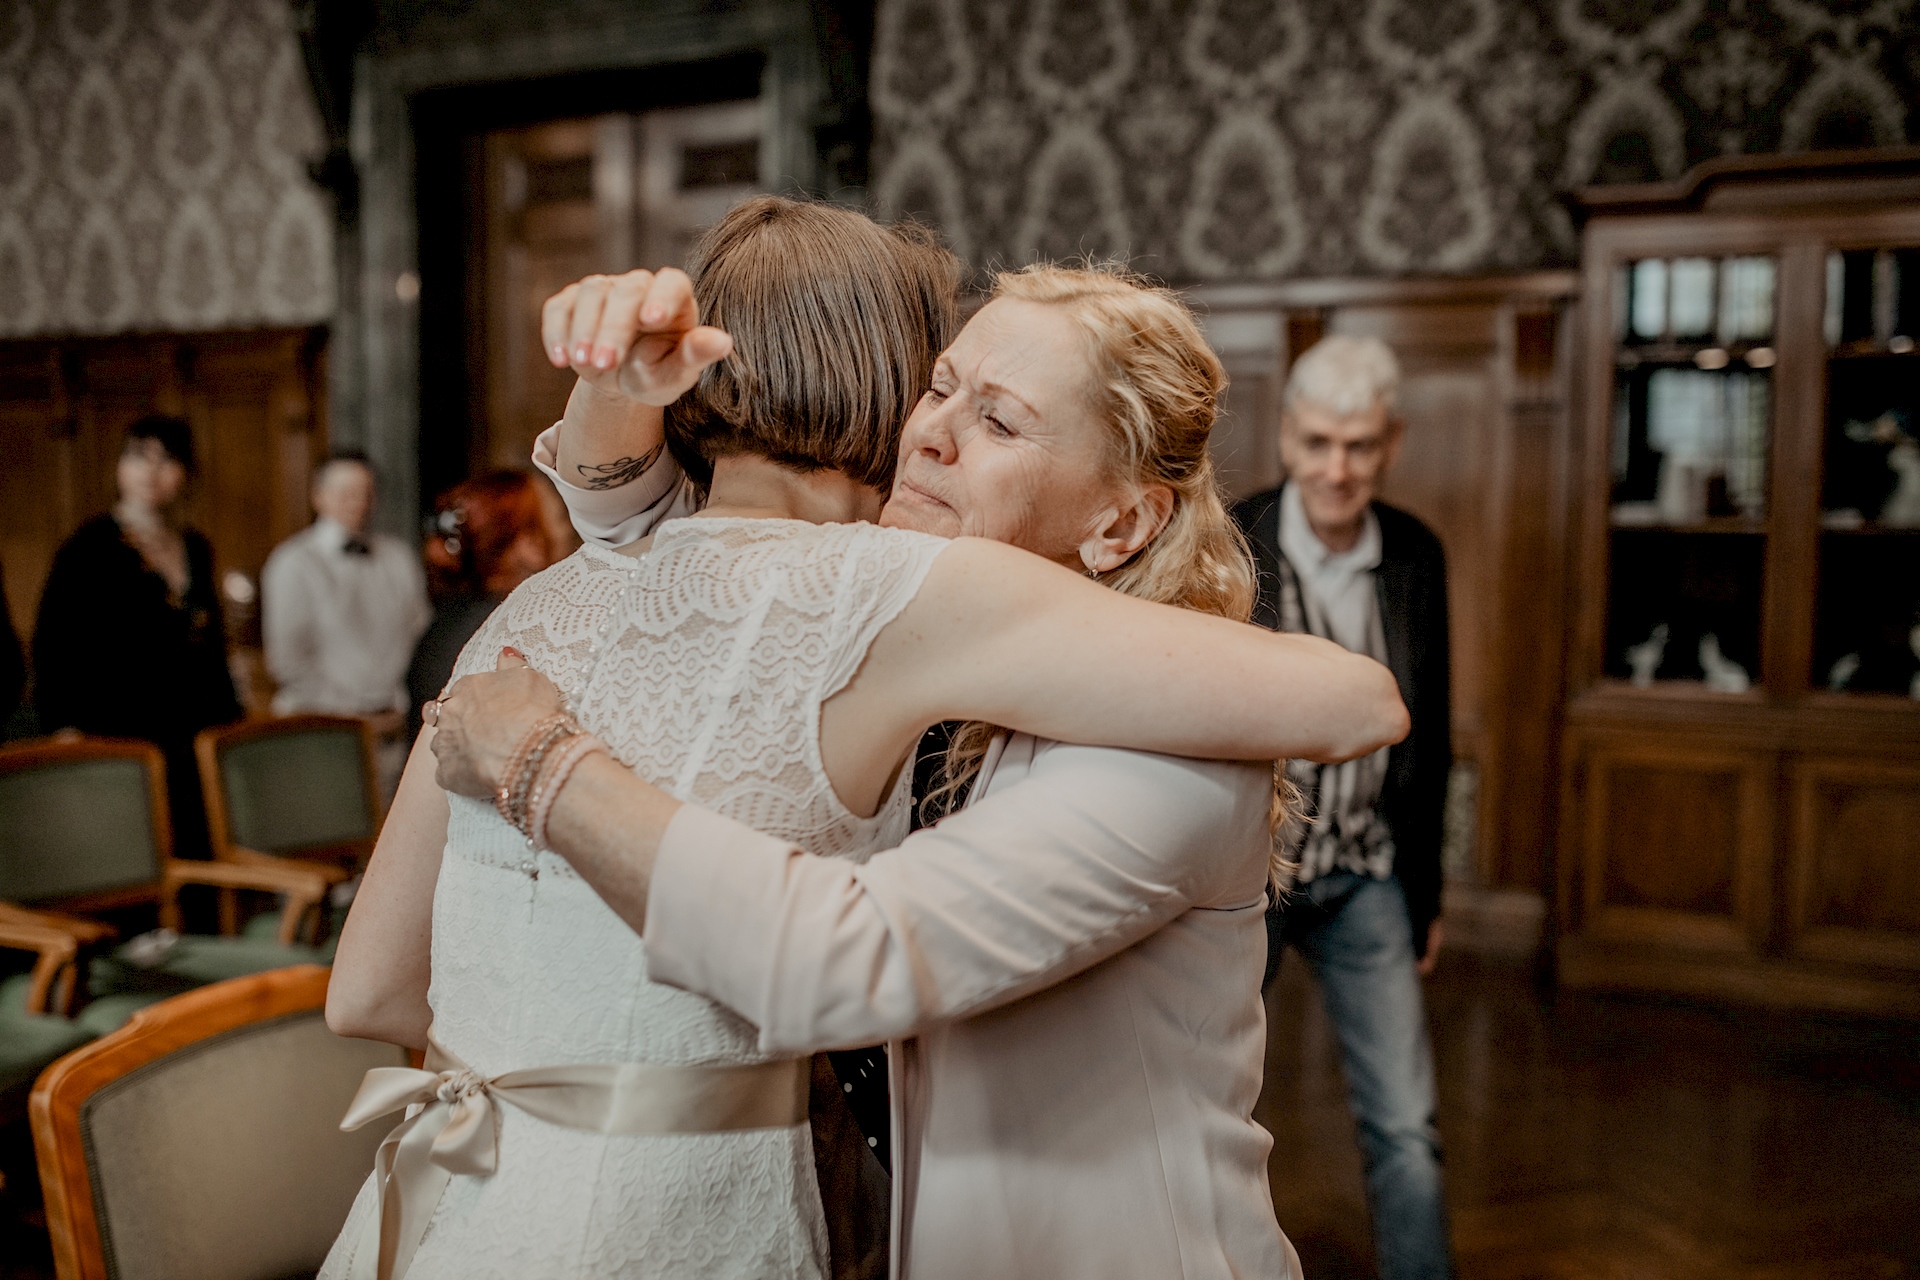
(1452,467)
(251,401)
(1798,458)
(1253,345)
(1676,842)
(1854,879)
(1568,915)
(1594,439)
(1524,681)
(1468,402)
(35,431)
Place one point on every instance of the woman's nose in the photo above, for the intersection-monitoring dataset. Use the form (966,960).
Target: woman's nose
(934,437)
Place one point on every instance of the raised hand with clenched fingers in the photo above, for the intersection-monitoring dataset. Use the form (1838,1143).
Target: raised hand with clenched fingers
(636,336)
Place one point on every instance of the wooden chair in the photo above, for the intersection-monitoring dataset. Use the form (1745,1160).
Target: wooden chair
(31,1036)
(84,829)
(201,1141)
(294,787)
(60,944)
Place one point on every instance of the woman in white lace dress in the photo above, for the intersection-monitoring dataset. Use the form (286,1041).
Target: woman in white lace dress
(738,659)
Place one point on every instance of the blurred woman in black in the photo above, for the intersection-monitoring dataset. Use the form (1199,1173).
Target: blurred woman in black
(130,642)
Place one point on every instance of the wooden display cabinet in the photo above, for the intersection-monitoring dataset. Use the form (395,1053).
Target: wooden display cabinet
(1740,810)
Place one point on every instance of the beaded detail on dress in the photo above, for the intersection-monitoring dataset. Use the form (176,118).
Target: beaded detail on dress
(702,665)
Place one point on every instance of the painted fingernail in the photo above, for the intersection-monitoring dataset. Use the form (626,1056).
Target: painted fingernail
(603,357)
(511,652)
(651,315)
(580,353)
(559,354)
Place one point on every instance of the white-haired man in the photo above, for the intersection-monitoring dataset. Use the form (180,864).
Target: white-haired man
(342,608)
(1364,907)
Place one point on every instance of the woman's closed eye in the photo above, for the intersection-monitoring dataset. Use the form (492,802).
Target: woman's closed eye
(998,428)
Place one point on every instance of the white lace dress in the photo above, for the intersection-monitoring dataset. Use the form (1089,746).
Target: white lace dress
(702,665)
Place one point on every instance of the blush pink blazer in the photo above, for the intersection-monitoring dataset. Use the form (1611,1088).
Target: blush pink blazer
(1068,973)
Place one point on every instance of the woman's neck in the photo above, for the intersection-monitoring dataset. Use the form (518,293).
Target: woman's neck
(140,518)
(751,486)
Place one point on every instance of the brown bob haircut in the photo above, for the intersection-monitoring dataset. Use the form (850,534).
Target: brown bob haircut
(836,322)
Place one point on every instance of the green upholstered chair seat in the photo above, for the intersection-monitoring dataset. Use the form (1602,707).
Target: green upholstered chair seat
(265,927)
(195,961)
(28,1042)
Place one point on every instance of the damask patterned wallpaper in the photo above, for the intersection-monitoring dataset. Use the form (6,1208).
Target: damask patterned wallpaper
(153,168)
(1219,139)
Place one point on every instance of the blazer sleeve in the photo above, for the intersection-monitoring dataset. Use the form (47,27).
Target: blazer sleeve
(625,513)
(67,633)
(218,701)
(1094,850)
(1423,808)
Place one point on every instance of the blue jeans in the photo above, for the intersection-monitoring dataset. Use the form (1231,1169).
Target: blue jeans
(1354,933)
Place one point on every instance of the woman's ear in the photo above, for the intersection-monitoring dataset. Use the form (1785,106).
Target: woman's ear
(1121,531)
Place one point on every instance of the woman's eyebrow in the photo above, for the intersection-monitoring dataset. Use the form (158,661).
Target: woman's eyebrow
(1003,391)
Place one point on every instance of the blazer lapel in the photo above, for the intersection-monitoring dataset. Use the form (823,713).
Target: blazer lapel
(1264,534)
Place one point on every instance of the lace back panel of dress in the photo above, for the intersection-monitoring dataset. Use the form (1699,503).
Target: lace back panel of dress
(703,664)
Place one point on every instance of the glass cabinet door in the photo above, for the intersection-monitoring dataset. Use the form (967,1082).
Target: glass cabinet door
(1693,411)
(1867,599)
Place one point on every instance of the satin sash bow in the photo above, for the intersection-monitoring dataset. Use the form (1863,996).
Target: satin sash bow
(456,1128)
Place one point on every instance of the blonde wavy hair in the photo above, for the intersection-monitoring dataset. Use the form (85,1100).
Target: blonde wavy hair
(1157,388)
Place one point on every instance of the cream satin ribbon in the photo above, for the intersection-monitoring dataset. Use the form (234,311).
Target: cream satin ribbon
(456,1129)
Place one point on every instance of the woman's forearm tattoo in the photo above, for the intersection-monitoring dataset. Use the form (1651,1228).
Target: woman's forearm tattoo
(611,475)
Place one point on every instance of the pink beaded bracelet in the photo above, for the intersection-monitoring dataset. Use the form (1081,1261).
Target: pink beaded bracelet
(513,795)
(559,766)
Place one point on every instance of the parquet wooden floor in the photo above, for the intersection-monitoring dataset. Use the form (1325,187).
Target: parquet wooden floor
(1588,1138)
(1614,1138)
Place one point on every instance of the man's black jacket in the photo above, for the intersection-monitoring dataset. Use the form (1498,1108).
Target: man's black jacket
(1412,586)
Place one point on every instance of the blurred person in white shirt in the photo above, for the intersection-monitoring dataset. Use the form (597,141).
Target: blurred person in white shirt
(341,610)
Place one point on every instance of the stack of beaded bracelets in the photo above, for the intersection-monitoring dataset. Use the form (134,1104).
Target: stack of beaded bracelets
(537,770)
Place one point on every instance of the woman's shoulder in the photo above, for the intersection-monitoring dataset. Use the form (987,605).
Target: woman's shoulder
(798,552)
(878,568)
(861,536)
(95,546)
(95,533)
(557,609)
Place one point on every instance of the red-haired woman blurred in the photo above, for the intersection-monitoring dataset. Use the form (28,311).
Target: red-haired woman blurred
(488,535)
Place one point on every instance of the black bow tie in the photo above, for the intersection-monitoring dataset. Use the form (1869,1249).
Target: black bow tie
(357,547)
